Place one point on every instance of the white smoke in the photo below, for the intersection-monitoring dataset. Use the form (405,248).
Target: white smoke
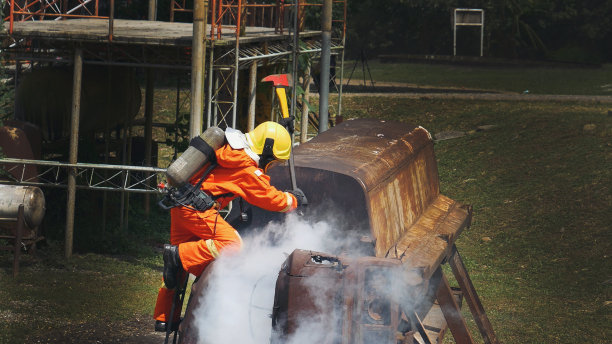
(238,302)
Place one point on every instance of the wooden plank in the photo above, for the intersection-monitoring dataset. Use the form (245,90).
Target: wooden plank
(472,299)
(430,239)
(134,32)
(452,312)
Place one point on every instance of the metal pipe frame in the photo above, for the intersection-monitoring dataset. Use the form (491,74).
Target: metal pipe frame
(87,176)
(252,95)
(326,26)
(455,24)
(74,141)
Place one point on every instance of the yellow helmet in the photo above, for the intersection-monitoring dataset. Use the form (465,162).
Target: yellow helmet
(271,141)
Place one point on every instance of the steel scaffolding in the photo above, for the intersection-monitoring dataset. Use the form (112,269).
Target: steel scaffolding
(239,36)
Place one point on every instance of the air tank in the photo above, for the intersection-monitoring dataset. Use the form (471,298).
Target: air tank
(195,156)
(32,198)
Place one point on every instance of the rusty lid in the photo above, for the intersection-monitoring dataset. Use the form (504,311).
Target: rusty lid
(369,150)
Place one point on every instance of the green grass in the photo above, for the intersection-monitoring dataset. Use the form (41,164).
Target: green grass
(539,250)
(52,296)
(537,80)
(541,188)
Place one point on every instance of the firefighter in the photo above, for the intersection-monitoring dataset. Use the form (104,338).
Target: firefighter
(199,237)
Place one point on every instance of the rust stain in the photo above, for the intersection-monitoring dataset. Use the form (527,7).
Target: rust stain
(12,133)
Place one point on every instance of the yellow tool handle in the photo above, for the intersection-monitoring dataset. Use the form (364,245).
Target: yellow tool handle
(282,98)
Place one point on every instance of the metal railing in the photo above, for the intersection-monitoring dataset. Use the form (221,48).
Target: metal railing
(102,177)
(225,15)
(24,10)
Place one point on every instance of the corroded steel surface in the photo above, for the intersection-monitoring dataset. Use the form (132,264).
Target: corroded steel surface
(353,299)
(16,143)
(380,175)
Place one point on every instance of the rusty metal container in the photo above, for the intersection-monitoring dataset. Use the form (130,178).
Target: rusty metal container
(32,198)
(378,182)
(355,300)
(378,175)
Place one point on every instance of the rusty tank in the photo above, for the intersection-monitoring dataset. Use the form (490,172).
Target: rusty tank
(380,179)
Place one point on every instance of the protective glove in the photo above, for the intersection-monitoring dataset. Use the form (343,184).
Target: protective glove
(288,124)
(299,195)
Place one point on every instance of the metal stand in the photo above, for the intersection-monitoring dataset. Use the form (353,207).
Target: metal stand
(364,65)
(18,239)
(177,301)
(451,310)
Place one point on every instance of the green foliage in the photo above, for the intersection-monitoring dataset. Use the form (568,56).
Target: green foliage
(89,298)
(513,28)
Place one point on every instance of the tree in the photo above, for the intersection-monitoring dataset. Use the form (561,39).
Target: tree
(572,30)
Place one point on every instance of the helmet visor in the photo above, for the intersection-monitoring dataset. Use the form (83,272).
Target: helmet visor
(271,163)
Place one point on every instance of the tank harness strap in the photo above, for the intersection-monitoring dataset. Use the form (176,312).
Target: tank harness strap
(201,145)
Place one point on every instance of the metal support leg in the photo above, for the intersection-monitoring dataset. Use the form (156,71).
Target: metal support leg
(452,312)
(209,103)
(148,130)
(18,237)
(177,302)
(74,141)
(472,299)
(200,9)
(252,95)
(305,109)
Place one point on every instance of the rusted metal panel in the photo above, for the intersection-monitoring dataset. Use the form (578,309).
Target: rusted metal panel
(381,175)
(378,179)
(350,300)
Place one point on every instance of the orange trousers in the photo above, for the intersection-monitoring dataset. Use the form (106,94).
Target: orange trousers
(201,237)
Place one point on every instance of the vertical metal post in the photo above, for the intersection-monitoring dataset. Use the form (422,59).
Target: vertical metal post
(152,9)
(17,73)
(106,146)
(176,115)
(18,237)
(305,110)
(294,56)
(148,113)
(236,65)
(200,9)
(235,89)
(148,129)
(216,107)
(111,18)
(326,25)
(252,95)
(211,76)
(471,297)
(342,61)
(481,32)
(452,313)
(455,32)
(74,141)
(11,15)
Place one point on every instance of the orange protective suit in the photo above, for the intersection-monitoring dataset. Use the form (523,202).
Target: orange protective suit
(202,236)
